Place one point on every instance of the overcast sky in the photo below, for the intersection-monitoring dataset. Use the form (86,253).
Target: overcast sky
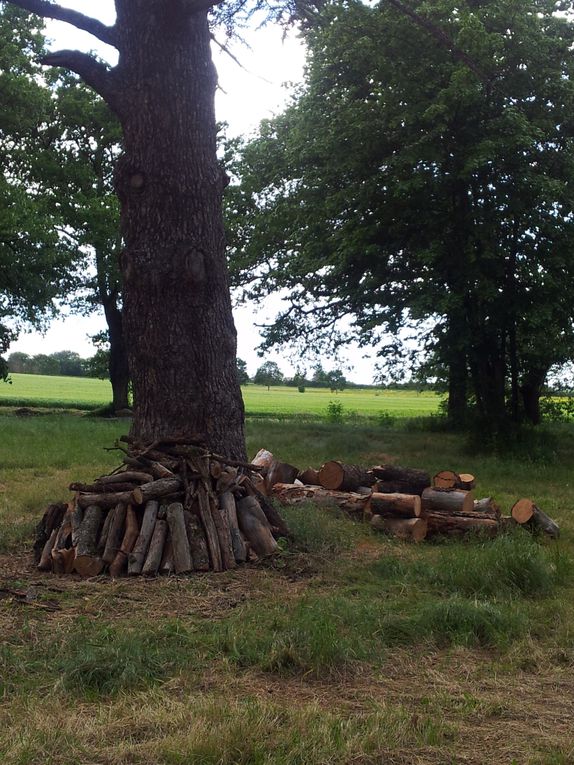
(271,65)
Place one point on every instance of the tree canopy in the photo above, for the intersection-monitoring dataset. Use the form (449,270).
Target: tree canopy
(405,187)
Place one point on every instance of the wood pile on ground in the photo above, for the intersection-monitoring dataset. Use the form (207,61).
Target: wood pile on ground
(171,507)
(400,501)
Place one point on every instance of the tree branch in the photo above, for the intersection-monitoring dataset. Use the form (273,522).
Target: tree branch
(95,74)
(441,36)
(49,10)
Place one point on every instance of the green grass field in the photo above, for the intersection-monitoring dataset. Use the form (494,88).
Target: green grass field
(348,647)
(87,393)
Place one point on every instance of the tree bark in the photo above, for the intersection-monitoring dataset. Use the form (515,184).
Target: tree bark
(340,477)
(350,502)
(408,529)
(394,479)
(138,554)
(447,501)
(526,512)
(87,561)
(177,315)
(406,505)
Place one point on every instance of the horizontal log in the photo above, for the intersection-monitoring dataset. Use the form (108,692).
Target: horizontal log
(408,529)
(407,505)
(350,502)
(447,501)
(525,511)
(309,477)
(102,488)
(393,479)
(459,525)
(105,500)
(341,477)
(156,489)
(126,476)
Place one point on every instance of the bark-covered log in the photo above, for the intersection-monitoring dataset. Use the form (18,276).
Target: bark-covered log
(278,526)
(406,505)
(156,489)
(87,561)
(126,476)
(138,554)
(45,562)
(256,527)
(459,525)
(394,479)
(155,551)
(77,518)
(167,566)
(210,530)
(467,481)
(51,519)
(525,511)
(350,502)
(340,477)
(223,534)
(115,533)
(105,500)
(309,477)
(120,562)
(227,480)
(487,507)
(447,501)
(229,511)
(102,488)
(280,472)
(105,530)
(197,542)
(408,529)
(264,459)
(63,560)
(181,551)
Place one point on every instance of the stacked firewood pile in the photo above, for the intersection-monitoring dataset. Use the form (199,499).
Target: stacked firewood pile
(171,507)
(403,502)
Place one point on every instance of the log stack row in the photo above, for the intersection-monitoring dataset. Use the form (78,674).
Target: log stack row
(171,507)
(404,502)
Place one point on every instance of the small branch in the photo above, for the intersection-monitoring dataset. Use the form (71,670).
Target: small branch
(94,73)
(234,58)
(49,10)
(442,38)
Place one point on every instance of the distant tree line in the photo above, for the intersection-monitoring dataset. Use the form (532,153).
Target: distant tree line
(64,363)
(270,374)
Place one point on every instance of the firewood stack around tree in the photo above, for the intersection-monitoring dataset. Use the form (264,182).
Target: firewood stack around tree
(173,507)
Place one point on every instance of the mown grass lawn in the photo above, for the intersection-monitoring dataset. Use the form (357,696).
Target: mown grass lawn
(83,392)
(346,648)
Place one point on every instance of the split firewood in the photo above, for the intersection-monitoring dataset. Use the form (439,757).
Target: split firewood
(120,562)
(105,500)
(278,526)
(45,562)
(51,520)
(223,534)
(229,511)
(115,533)
(340,477)
(155,551)
(407,505)
(256,527)
(210,530)
(127,476)
(197,542)
(408,529)
(87,561)
(447,501)
(459,525)
(351,502)
(77,518)
(138,554)
(156,489)
(167,565)
(63,560)
(182,562)
(263,459)
(309,477)
(526,512)
(105,530)
(394,479)
(226,481)
(103,488)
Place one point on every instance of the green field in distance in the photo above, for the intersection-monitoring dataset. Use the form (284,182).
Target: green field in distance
(84,392)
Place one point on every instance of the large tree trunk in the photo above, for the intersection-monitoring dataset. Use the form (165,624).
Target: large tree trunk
(177,315)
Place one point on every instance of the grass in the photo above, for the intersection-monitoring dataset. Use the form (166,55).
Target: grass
(347,647)
(88,394)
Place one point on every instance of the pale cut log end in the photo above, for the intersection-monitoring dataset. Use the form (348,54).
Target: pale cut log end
(88,565)
(446,479)
(523,510)
(331,475)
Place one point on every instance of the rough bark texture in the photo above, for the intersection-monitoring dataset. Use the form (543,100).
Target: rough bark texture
(341,477)
(406,505)
(408,529)
(352,503)
(447,501)
(393,479)
(177,310)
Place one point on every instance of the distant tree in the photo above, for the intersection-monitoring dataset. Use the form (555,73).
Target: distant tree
(242,375)
(70,363)
(268,374)
(44,364)
(19,362)
(320,378)
(98,364)
(337,380)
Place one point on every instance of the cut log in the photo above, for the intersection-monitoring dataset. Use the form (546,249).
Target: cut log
(63,560)
(446,479)
(459,525)
(487,507)
(105,500)
(167,565)
(467,481)
(263,459)
(351,502)
(278,526)
(197,542)
(155,552)
(525,511)
(340,477)
(223,534)
(406,505)
(156,489)
(45,562)
(103,538)
(127,476)
(115,533)
(210,529)
(280,472)
(51,519)
(256,527)
(64,537)
(409,529)
(77,518)
(120,562)
(229,512)
(309,477)
(394,479)
(226,480)
(87,561)
(138,554)
(182,562)
(102,488)
(447,501)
